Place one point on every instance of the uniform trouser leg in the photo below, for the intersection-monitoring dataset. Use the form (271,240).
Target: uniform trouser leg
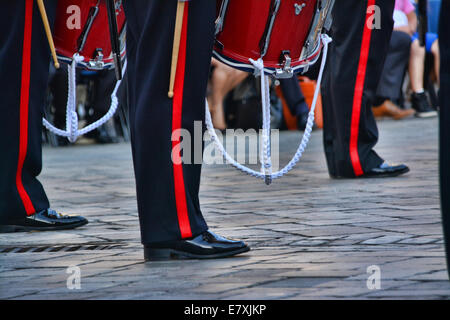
(24,64)
(355,63)
(444,47)
(167,192)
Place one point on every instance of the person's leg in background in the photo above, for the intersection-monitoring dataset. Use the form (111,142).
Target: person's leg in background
(295,100)
(390,85)
(437,60)
(354,67)
(223,80)
(417,66)
(168,190)
(444,121)
(419,98)
(24,67)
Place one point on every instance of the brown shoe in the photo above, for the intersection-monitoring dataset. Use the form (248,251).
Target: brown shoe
(390,109)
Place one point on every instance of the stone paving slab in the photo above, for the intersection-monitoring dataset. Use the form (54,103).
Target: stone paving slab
(312,237)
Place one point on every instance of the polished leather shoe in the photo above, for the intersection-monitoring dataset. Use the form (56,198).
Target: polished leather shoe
(386,170)
(47,220)
(205,246)
(390,109)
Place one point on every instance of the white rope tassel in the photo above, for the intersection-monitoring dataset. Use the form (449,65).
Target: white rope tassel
(71,109)
(266,173)
(112,108)
(266,148)
(72,132)
(71,115)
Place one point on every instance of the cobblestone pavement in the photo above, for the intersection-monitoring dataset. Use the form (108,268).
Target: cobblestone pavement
(311,237)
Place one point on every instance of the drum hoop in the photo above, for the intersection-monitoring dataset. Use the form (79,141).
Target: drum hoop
(88,65)
(248,67)
(222,15)
(316,28)
(87,28)
(267,35)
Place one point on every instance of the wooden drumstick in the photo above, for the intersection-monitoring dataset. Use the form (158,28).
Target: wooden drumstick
(176,46)
(48,32)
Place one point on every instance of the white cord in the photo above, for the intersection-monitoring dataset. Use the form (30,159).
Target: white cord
(266,169)
(72,132)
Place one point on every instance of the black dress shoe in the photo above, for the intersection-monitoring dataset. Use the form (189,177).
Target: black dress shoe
(386,170)
(47,220)
(62,141)
(205,246)
(102,136)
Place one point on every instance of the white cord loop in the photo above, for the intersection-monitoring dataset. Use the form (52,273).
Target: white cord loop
(266,164)
(72,133)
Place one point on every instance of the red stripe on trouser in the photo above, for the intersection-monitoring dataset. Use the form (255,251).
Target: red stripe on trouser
(24,105)
(180,191)
(358,94)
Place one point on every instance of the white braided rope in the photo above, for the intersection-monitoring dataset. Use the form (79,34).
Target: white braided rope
(72,132)
(266,148)
(112,108)
(266,172)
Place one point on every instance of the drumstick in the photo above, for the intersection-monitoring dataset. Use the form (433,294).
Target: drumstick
(48,32)
(176,46)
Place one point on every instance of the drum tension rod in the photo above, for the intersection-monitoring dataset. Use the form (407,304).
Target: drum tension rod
(285,61)
(114,34)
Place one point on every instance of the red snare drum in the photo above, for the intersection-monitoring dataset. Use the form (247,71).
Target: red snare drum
(284,33)
(82,27)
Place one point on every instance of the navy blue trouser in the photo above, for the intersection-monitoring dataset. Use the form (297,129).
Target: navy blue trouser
(391,81)
(167,192)
(355,63)
(293,94)
(444,47)
(24,65)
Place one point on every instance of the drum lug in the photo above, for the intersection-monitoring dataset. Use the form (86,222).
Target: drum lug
(221,19)
(98,62)
(286,70)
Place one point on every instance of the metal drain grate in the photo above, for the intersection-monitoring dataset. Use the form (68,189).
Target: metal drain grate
(63,248)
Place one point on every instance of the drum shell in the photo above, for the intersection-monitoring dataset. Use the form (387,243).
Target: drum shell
(245,25)
(66,36)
